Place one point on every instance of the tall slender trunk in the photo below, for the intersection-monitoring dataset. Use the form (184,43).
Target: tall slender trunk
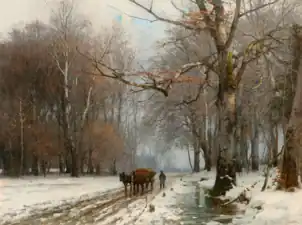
(244,147)
(214,142)
(207,160)
(276,146)
(67,161)
(113,168)
(255,145)
(69,144)
(81,154)
(238,134)
(90,163)
(21,137)
(189,157)
(196,162)
(196,168)
(74,164)
(206,154)
(205,145)
(35,165)
(273,133)
(61,163)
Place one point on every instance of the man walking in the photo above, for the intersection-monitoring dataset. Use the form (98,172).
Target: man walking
(162,180)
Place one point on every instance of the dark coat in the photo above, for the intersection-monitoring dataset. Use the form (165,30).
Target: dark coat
(162,176)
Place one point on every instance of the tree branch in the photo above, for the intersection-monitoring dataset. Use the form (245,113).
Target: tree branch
(157,17)
(234,24)
(257,8)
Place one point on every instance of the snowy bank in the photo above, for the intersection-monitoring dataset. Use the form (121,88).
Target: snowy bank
(273,208)
(270,207)
(251,182)
(20,197)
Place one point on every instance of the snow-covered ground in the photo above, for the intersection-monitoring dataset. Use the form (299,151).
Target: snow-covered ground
(165,210)
(270,207)
(19,197)
(137,212)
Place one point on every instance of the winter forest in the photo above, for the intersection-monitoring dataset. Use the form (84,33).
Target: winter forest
(220,92)
(224,86)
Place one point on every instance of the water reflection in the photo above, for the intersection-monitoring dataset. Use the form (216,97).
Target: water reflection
(199,209)
(197,195)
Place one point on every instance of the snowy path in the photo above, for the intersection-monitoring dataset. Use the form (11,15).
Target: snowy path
(97,205)
(136,212)
(23,197)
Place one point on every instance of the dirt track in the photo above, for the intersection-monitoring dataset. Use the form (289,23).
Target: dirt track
(89,211)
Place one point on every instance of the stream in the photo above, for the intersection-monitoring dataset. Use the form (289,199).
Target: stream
(198,209)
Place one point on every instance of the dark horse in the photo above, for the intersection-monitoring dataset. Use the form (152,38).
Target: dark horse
(126,179)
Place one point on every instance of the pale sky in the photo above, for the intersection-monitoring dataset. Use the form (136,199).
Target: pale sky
(99,12)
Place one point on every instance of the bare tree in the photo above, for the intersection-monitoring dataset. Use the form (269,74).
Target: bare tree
(68,35)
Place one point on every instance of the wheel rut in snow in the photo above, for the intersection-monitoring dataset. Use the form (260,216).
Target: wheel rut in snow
(101,209)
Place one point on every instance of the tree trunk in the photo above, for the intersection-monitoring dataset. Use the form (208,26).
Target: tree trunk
(275,148)
(207,160)
(90,164)
(226,97)
(226,105)
(6,162)
(196,160)
(255,145)
(67,158)
(98,169)
(225,169)
(196,167)
(61,164)
(44,167)
(21,172)
(244,149)
(35,165)
(205,145)
(238,133)
(214,143)
(74,164)
(289,173)
(207,155)
(82,166)
(113,168)
(189,157)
